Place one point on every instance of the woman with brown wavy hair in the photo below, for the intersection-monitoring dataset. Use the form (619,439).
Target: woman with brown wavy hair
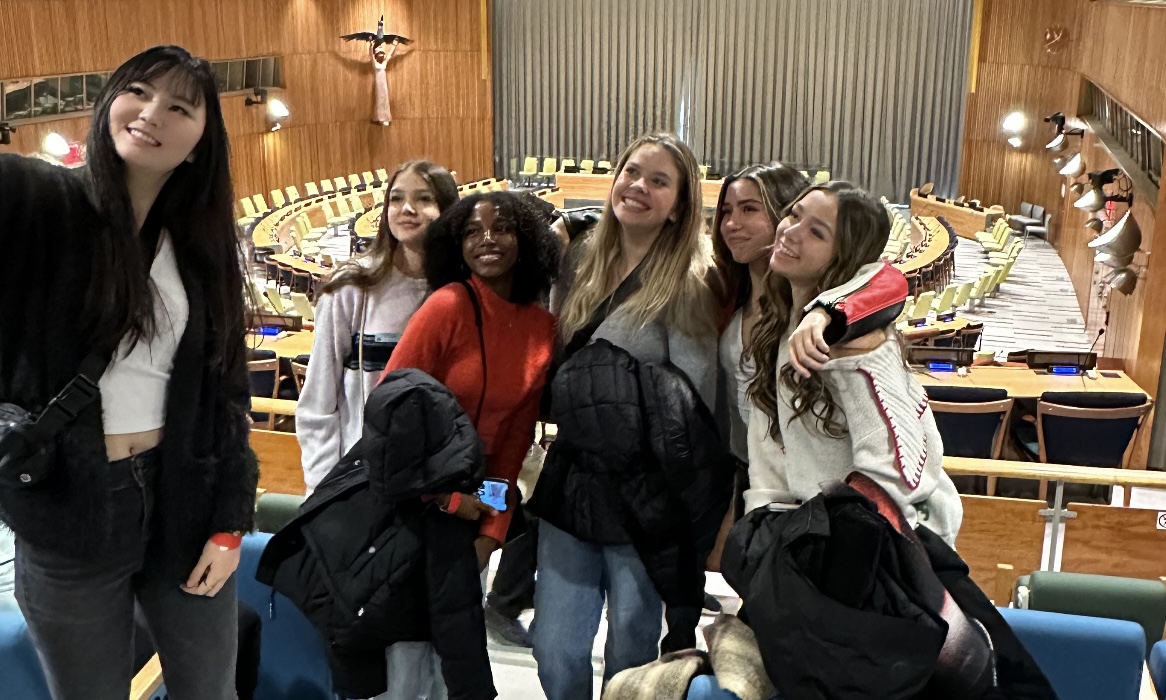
(361,313)
(863,411)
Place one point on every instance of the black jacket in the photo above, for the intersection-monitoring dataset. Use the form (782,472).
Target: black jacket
(848,606)
(49,231)
(370,563)
(638,460)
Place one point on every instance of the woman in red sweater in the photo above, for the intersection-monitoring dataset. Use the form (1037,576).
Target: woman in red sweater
(496,253)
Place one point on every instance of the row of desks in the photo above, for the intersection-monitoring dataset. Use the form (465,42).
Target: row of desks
(1020,382)
(597,187)
(966,221)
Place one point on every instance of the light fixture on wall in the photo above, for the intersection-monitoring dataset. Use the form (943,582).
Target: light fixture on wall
(1120,241)
(1061,133)
(1014,123)
(1124,281)
(1095,225)
(1074,167)
(6,133)
(1077,188)
(1095,198)
(55,145)
(277,111)
(1015,142)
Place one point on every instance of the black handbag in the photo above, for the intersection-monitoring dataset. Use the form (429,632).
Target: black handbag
(27,442)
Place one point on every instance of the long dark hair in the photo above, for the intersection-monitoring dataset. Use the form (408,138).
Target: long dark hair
(384,246)
(861,233)
(538,246)
(779,185)
(195,206)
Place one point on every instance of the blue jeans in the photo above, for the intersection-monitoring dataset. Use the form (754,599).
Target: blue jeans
(574,578)
(414,673)
(81,613)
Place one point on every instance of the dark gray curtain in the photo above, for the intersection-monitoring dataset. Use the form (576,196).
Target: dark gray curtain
(872,90)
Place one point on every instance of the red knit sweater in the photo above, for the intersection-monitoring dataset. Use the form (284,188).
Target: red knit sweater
(442,341)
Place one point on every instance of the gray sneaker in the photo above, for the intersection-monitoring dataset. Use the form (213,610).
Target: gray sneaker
(506,629)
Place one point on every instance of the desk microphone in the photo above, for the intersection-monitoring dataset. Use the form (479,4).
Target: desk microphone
(1100,332)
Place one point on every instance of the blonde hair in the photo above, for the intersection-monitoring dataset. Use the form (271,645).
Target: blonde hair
(673,280)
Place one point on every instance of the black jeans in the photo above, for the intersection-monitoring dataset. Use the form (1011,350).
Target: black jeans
(513,589)
(81,613)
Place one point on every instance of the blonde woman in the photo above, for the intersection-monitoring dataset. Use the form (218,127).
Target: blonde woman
(637,280)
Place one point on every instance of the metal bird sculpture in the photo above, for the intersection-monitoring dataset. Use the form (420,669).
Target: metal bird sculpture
(379,37)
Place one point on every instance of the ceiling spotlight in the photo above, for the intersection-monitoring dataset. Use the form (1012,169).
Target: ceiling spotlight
(6,133)
(1057,144)
(1014,123)
(55,145)
(1074,167)
(1122,240)
(1014,142)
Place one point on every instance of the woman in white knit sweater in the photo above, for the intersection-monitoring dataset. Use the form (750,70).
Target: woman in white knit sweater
(863,410)
(361,313)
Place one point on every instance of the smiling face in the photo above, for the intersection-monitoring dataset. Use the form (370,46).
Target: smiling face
(745,225)
(805,239)
(646,191)
(156,125)
(412,207)
(490,247)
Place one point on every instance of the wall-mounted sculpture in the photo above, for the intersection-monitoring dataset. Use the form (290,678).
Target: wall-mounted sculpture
(381,48)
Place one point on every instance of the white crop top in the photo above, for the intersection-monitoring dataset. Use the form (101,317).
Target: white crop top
(133,389)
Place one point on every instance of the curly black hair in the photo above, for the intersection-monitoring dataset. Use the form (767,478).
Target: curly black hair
(538,246)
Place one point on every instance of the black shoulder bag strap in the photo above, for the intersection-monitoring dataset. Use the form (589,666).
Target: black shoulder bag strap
(481,344)
(621,294)
(82,389)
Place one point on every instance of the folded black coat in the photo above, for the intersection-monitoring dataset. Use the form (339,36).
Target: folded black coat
(638,459)
(847,606)
(370,563)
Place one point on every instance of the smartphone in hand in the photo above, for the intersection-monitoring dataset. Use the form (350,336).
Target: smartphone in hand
(492,492)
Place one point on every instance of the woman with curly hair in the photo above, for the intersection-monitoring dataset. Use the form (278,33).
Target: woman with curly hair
(863,411)
(493,257)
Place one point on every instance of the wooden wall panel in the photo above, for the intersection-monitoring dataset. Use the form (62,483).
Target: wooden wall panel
(442,108)
(1118,47)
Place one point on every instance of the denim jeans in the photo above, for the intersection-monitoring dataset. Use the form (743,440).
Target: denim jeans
(81,613)
(414,673)
(574,578)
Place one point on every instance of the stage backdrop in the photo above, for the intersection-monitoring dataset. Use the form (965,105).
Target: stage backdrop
(873,90)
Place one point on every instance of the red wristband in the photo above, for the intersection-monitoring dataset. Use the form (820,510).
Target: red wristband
(455,500)
(227,540)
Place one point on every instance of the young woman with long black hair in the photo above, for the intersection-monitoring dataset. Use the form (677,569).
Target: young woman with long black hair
(149,488)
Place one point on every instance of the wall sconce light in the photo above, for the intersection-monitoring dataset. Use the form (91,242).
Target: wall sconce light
(1074,167)
(1014,123)
(1095,225)
(277,111)
(1095,199)
(1077,188)
(56,146)
(6,133)
(1060,135)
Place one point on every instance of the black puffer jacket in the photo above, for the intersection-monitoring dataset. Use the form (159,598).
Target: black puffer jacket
(848,603)
(371,564)
(638,460)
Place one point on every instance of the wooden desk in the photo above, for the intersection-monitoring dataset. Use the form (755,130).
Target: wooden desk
(935,249)
(289,346)
(280,407)
(966,221)
(1024,383)
(369,223)
(955,324)
(300,264)
(598,187)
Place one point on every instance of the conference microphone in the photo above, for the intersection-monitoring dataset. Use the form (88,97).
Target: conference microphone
(1100,332)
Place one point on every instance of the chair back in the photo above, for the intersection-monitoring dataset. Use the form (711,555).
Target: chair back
(369,179)
(354,182)
(311,189)
(299,368)
(293,193)
(971,420)
(1090,429)
(248,207)
(383,176)
(341,185)
(277,199)
(263,376)
(586,165)
(1026,209)
(326,187)
(962,296)
(971,334)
